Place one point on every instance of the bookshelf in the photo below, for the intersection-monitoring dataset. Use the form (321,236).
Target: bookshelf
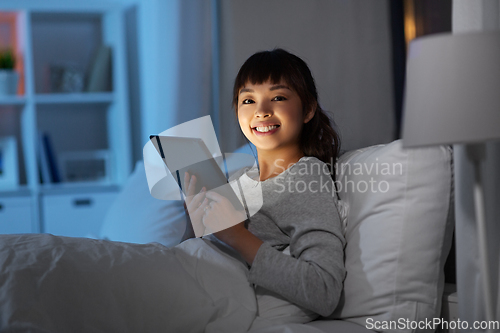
(60,47)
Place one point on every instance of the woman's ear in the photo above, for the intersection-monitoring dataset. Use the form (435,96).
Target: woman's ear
(310,114)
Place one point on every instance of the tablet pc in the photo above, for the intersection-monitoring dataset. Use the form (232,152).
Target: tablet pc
(183,154)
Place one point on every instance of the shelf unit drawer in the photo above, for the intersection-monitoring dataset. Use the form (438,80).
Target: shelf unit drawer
(15,215)
(75,215)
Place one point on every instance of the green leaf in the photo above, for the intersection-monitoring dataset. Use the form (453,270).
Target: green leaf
(7,60)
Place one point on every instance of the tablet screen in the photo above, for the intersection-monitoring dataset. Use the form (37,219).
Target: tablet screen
(191,155)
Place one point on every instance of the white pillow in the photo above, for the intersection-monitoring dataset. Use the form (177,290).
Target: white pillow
(137,217)
(398,233)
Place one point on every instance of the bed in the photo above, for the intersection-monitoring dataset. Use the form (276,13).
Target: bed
(397,212)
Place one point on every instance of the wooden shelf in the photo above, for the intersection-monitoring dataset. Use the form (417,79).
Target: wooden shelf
(75,188)
(21,191)
(12,100)
(71,98)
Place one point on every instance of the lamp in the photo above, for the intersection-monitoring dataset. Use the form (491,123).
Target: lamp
(453,97)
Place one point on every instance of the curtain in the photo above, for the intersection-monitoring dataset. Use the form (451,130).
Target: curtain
(175,60)
(470,16)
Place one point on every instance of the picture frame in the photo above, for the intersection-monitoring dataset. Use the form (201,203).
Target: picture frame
(92,167)
(9,170)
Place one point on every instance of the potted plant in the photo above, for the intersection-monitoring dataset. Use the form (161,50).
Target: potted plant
(8,76)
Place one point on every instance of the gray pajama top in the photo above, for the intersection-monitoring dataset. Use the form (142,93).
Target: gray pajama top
(299,214)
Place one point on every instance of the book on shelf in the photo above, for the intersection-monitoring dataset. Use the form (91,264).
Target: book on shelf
(100,72)
(49,169)
(53,166)
(43,162)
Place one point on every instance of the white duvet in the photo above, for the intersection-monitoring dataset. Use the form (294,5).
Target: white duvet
(62,284)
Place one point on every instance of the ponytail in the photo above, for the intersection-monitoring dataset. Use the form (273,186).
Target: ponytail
(319,139)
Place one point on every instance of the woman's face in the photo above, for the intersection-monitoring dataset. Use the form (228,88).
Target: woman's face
(270,115)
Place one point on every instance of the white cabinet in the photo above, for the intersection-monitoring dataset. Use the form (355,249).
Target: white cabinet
(15,215)
(75,215)
(78,102)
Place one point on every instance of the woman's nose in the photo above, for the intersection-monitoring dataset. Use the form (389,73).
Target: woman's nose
(263,110)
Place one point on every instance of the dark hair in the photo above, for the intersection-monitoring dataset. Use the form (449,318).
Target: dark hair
(318,138)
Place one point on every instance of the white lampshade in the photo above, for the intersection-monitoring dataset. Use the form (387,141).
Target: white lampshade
(452,89)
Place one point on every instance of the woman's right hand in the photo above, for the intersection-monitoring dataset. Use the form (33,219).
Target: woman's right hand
(195,204)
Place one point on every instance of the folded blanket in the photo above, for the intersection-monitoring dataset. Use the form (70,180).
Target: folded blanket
(63,284)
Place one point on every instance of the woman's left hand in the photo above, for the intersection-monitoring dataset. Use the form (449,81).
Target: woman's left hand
(228,226)
(220,214)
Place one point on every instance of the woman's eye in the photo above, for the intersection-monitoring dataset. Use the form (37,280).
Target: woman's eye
(247,101)
(279,98)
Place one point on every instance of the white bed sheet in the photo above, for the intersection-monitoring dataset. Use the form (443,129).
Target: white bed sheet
(318,326)
(63,284)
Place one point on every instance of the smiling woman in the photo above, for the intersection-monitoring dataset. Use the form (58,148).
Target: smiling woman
(285,242)
(271,116)
(276,88)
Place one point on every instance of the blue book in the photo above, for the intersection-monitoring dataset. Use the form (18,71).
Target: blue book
(51,159)
(43,161)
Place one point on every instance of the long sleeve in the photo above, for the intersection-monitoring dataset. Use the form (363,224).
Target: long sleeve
(299,212)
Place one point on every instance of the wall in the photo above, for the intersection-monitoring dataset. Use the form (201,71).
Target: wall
(346,44)
(170,64)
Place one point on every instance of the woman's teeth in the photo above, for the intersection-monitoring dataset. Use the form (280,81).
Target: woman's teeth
(266,128)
